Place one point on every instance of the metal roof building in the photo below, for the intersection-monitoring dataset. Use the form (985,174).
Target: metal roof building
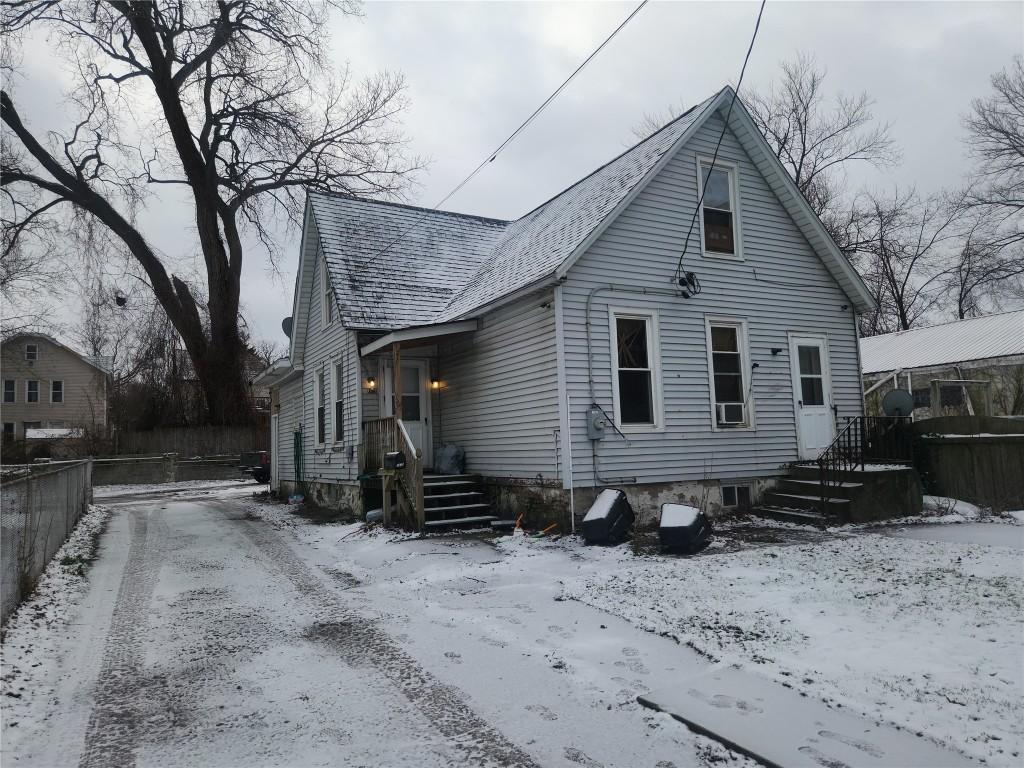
(961,341)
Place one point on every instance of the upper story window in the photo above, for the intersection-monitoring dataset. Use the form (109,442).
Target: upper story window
(719,210)
(635,380)
(730,386)
(31,352)
(32,391)
(327,303)
(10,389)
(321,410)
(56,391)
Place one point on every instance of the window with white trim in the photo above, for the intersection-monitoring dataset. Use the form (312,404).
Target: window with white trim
(32,391)
(327,299)
(56,391)
(635,369)
(10,390)
(718,211)
(729,371)
(339,403)
(31,352)
(320,397)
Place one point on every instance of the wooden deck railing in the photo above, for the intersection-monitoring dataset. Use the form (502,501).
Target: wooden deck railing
(381,436)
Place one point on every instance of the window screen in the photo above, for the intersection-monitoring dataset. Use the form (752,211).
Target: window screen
(636,395)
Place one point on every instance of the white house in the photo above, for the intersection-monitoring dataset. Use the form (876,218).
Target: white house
(570,350)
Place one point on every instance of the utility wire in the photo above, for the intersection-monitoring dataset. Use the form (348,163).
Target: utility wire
(714,157)
(492,156)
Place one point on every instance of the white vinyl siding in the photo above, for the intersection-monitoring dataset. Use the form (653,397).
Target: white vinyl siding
(499,394)
(780,286)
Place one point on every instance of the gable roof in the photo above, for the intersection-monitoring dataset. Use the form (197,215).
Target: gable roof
(394,266)
(99,363)
(961,341)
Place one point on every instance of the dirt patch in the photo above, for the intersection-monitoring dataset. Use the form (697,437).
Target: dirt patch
(734,536)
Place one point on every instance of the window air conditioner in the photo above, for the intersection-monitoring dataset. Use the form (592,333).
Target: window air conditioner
(730,414)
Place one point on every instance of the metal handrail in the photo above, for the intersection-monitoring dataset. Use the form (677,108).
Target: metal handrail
(863,439)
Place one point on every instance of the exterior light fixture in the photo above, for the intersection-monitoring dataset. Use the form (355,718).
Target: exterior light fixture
(776,350)
(371,383)
(435,384)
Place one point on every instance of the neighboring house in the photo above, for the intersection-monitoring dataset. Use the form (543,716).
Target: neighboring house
(956,360)
(560,351)
(48,386)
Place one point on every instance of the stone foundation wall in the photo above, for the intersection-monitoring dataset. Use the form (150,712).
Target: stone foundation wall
(546,503)
(343,497)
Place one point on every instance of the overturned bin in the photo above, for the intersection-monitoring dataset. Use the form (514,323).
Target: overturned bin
(609,518)
(683,528)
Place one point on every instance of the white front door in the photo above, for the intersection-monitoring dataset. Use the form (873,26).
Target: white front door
(413,387)
(812,394)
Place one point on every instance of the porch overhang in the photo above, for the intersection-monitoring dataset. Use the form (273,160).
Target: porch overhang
(418,336)
(277,373)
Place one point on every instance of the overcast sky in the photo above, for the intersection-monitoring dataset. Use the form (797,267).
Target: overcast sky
(476,70)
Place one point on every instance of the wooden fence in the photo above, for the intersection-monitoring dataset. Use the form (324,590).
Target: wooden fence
(193,441)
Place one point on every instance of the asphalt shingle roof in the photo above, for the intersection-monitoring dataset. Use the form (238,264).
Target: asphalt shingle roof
(444,266)
(961,341)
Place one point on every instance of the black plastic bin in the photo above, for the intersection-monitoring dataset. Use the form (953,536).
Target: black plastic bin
(683,528)
(609,518)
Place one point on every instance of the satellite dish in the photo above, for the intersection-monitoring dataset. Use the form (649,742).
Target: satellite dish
(286,326)
(899,402)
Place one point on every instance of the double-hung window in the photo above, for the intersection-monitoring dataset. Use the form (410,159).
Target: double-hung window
(635,375)
(327,295)
(729,371)
(10,390)
(32,391)
(31,352)
(339,405)
(321,407)
(718,212)
(56,391)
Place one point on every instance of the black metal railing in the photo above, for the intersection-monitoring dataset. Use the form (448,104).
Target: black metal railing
(863,440)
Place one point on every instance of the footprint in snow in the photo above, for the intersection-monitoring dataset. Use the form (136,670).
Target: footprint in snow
(541,710)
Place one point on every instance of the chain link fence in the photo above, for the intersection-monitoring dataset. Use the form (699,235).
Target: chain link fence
(39,506)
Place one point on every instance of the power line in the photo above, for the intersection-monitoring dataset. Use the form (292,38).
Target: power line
(714,157)
(492,156)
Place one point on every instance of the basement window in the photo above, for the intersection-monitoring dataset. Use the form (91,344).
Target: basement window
(736,496)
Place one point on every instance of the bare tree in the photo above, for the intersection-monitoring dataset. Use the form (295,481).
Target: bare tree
(985,271)
(904,245)
(652,122)
(231,101)
(816,138)
(995,138)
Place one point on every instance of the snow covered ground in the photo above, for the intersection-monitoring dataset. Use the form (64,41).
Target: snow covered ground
(209,487)
(923,634)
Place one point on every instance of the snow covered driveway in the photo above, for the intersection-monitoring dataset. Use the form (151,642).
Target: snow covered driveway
(221,632)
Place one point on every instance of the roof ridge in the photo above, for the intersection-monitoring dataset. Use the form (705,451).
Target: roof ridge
(623,153)
(407,206)
(947,322)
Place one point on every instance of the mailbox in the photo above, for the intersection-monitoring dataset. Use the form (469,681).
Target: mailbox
(394,460)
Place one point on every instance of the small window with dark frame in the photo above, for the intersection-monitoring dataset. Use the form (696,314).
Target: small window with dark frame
(736,496)
(56,391)
(8,430)
(717,211)
(32,391)
(634,371)
(339,403)
(31,352)
(10,390)
(321,410)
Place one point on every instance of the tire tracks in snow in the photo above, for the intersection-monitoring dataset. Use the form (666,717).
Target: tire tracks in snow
(361,643)
(113,722)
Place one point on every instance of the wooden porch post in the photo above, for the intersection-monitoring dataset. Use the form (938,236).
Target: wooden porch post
(396,387)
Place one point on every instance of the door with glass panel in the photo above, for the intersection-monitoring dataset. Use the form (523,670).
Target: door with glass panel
(415,413)
(812,394)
